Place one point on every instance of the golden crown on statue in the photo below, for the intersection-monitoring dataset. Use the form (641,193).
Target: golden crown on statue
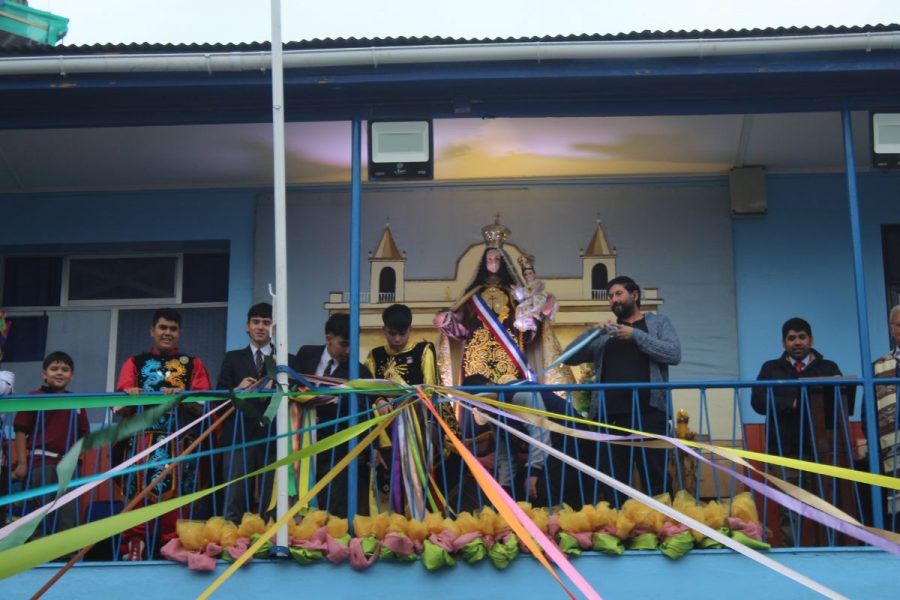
(526,261)
(494,235)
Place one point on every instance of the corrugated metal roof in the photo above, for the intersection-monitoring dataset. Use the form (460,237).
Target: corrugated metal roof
(332,43)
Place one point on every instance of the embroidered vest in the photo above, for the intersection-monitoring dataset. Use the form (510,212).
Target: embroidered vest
(403,366)
(156,372)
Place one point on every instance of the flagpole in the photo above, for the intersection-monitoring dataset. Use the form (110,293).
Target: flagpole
(281,287)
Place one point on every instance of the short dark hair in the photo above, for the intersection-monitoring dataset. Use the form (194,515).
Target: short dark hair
(58,356)
(477,379)
(262,310)
(169,314)
(338,325)
(397,317)
(628,283)
(797,324)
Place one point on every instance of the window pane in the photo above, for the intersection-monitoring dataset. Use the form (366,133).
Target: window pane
(205,278)
(32,281)
(122,278)
(27,341)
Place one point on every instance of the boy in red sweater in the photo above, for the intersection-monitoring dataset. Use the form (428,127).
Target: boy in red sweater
(43,438)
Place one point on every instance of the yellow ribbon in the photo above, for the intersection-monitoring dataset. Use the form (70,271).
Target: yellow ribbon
(792,463)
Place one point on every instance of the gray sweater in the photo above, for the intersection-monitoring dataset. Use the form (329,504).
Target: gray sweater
(659,342)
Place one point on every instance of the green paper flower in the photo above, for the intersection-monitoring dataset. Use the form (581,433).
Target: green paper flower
(645,541)
(503,553)
(434,557)
(568,544)
(263,551)
(305,556)
(389,554)
(369,544)
(607,544)
(474,551)
(709,544)
(677,545)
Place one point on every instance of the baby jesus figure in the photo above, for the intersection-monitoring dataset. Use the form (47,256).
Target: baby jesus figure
(534,304)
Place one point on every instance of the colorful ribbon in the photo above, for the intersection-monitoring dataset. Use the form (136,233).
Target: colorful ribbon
(674,514)
(536,541)
(45,549)
(383,422)
(68,497)
(793,498)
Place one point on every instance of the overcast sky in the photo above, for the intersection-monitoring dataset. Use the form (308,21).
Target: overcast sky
(186,21)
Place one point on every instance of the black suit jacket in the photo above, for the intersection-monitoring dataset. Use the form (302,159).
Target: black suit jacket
(237,365)
(305,362)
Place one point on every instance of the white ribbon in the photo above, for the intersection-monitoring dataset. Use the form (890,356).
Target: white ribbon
(674,514)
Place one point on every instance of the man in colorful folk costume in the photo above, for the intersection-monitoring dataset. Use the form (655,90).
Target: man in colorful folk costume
(888,366)
(410,363)
(163,369)
(478,333)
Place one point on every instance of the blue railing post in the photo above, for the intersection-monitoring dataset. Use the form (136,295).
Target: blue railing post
(862,316)
(355,193)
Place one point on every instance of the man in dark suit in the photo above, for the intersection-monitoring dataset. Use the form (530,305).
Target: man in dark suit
(241,370)
(333,360)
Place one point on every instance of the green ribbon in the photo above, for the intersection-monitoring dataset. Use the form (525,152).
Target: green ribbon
(37,552)
(72,401)
(36,402)
(677,545)
(272,409)
(749,541)
(503,553)
(607,544)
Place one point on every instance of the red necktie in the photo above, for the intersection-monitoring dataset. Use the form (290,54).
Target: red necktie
(799,366)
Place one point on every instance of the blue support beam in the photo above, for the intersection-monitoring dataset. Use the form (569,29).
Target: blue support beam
(355,201)
(862,316)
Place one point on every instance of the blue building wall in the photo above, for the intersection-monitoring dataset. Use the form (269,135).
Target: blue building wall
(855,573)
(797,261)
(673,234)
(128,217)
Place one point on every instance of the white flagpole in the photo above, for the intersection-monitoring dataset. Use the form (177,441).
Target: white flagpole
(281,287)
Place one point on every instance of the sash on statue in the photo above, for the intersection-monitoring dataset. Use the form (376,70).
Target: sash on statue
(502,336)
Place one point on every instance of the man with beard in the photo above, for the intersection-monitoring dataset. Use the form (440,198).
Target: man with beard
(636,347)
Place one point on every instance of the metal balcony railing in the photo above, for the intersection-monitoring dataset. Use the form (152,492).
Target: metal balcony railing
(818,429)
